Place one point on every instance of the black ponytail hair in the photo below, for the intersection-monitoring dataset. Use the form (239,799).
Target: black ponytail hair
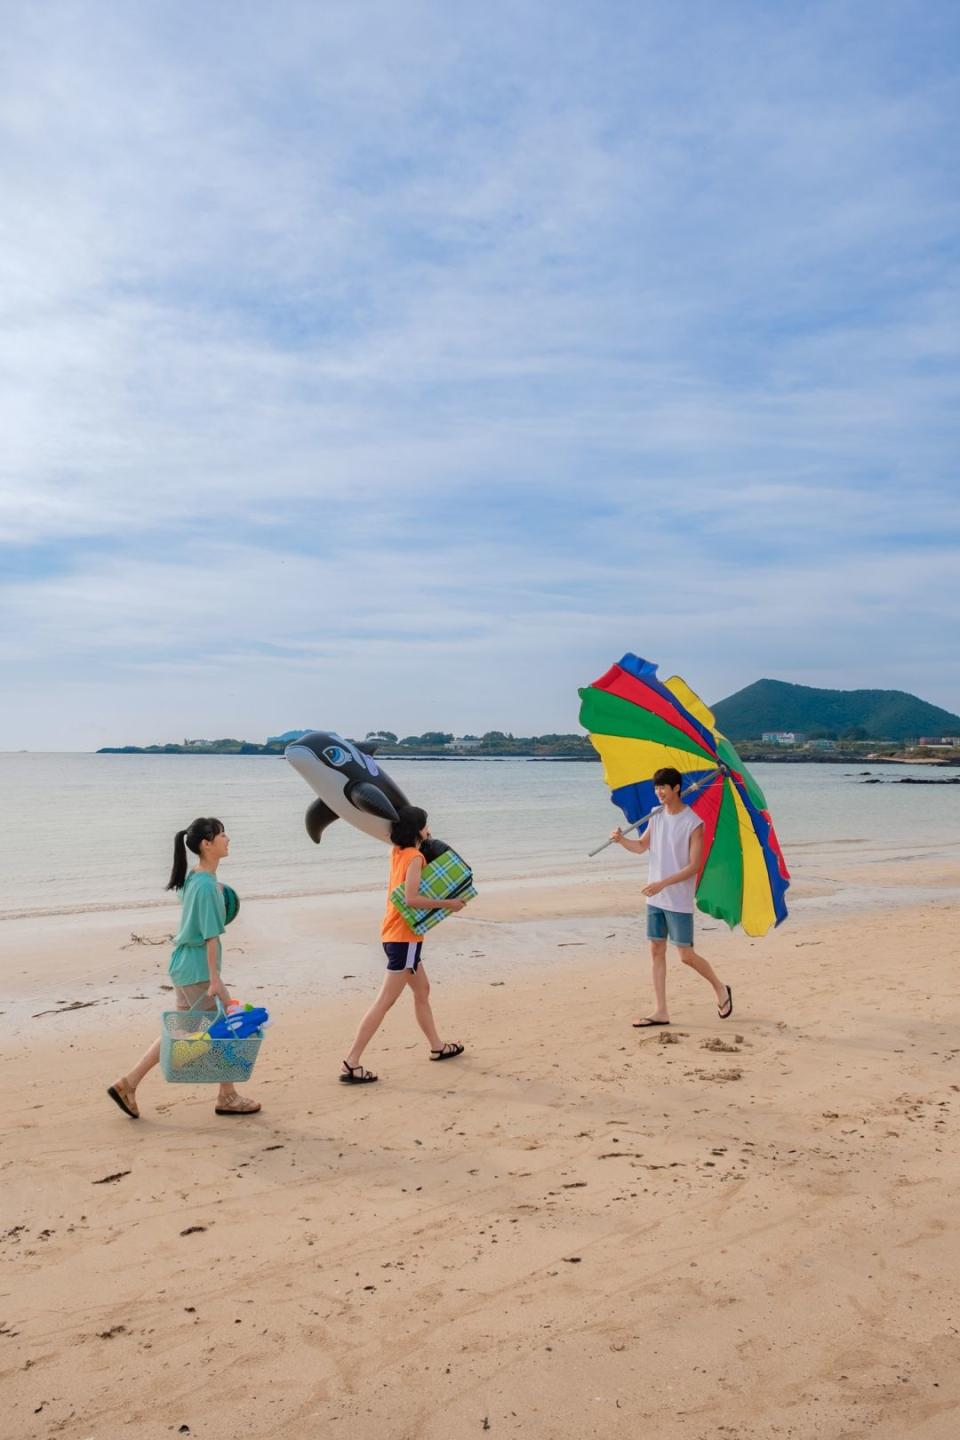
(203,829)
(406,829)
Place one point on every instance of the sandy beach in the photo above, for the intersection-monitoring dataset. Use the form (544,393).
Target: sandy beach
(494,424)
(737,1230)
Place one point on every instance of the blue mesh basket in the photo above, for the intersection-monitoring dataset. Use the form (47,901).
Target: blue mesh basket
(189,1056)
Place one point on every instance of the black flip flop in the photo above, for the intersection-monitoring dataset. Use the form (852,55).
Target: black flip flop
(357,1075)
(726,1009)
(648,1023)
(450,1051)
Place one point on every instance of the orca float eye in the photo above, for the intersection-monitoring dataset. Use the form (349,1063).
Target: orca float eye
(336,755)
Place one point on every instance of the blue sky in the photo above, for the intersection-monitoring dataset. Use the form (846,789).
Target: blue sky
(403,364)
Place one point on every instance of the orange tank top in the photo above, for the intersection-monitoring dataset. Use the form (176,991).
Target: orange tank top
(394,926)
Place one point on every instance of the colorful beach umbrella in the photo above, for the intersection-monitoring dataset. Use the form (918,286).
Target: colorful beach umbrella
(639,724)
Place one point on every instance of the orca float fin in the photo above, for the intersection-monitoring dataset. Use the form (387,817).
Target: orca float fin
(366,747)
(371,800)
(318,817)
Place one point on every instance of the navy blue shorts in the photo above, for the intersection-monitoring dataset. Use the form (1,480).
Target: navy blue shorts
(675,924)
(402,956)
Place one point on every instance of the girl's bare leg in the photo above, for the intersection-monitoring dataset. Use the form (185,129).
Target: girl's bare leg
(420,985)
(143,1066)
(393,984)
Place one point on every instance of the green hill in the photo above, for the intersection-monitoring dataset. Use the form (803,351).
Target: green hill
(881,714)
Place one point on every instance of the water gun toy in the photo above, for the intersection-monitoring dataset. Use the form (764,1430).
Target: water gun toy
(239,1022)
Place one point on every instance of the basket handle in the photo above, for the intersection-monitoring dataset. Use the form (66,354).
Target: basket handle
(193,1007)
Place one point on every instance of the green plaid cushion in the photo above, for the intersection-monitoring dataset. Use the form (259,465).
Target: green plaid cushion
(446,878)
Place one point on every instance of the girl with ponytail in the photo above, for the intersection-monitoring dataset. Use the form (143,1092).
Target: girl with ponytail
(195,963)
(402,947)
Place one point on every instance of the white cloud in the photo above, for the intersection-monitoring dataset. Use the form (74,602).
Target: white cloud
(338,325)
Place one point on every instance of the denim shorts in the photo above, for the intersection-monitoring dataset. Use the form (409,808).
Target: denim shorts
(676,925)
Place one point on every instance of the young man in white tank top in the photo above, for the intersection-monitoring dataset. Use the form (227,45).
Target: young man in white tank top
(674,839)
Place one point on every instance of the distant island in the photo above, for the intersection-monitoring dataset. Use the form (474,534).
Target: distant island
(769,720)
(432,745)
(772,706)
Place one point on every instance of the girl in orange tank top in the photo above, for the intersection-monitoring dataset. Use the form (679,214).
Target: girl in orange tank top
(403,948)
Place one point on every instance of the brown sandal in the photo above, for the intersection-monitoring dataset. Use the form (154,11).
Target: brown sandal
(239,1105)
(122,1095)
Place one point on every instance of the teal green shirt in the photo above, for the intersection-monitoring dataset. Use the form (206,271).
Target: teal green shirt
(202,918)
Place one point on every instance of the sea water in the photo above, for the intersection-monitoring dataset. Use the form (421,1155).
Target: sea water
(87,832)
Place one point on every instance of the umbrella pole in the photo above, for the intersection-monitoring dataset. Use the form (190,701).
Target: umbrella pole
(690,790)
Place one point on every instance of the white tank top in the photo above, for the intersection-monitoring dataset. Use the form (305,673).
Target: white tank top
(670,852)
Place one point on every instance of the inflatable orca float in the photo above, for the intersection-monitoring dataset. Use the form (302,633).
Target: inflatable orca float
(350,786)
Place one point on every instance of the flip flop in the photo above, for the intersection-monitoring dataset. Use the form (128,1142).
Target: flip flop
(726,1009)
(646,1024)
(119,1095)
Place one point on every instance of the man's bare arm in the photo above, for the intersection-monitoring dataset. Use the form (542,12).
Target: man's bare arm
(636,847)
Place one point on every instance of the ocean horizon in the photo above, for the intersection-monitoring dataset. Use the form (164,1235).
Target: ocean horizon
(88,832)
